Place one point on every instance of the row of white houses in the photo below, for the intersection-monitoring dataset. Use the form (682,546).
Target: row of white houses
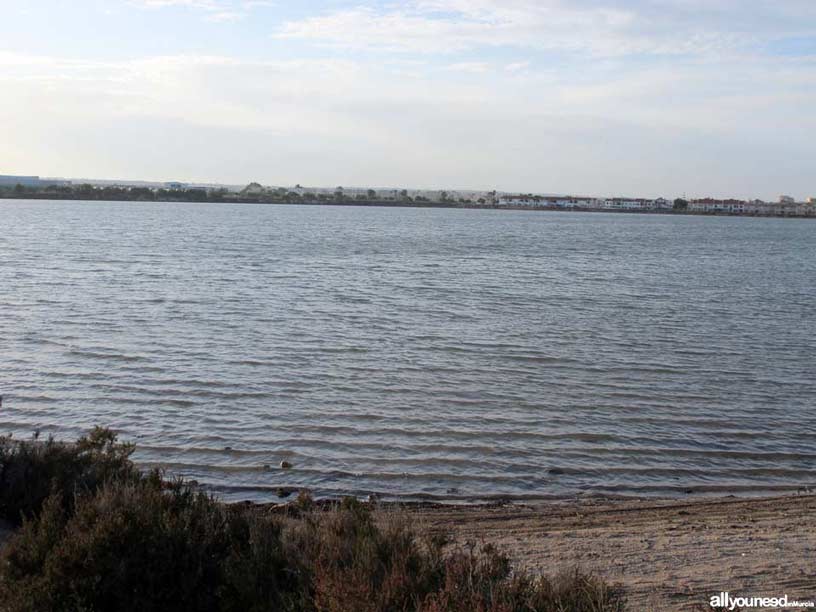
(754,207)
(785,207)
(532,201)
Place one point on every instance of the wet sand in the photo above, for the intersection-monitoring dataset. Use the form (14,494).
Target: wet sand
(668,555)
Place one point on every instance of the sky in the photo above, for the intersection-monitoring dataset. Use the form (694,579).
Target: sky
(592,97)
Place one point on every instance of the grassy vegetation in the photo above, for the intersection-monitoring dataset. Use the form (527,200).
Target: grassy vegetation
(96,534)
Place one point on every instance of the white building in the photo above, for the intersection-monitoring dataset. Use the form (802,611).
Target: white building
(537,201)
(712,205)
(629,204)
(25,181)
(754,207)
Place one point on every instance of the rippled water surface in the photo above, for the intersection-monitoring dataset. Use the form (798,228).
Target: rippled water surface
(458,354)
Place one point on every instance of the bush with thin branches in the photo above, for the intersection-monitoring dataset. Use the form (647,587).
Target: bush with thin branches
(114,539)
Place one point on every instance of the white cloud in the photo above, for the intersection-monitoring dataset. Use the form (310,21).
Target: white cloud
(517,66)
(225,16)
(196,4)
(214,10)
(598,28)
(206,90)
(470,67)
(422,28)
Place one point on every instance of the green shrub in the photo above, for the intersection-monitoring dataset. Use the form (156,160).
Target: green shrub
(131,546)
(259,574)
(482,580)
(351,563)
(107,538)
(30,471)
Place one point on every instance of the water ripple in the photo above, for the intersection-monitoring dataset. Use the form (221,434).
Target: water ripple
(426,354)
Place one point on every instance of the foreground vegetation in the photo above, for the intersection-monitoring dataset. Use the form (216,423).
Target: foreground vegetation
(97,534)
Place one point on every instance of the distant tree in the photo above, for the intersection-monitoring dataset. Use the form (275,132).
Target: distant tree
(371,194)
(403,194)
(680,204)
(218,194)
(443,197)
(195,195)
(145,194)
(19,189)
(85,191)
(481,200)
(252,189)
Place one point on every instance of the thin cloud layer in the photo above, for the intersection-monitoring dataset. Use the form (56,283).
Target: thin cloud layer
(601,29)
(214,10)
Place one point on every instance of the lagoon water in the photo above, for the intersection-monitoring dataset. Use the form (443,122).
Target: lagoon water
(417,353)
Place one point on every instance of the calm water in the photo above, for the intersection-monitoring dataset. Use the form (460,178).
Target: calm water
(411,352)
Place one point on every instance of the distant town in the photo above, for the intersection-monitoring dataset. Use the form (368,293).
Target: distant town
(34,187)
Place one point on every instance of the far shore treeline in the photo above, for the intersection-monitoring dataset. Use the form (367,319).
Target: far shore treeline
(254,193)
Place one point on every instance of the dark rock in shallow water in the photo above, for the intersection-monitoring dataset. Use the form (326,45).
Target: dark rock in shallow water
(285,491)
(556,471)
(285,465)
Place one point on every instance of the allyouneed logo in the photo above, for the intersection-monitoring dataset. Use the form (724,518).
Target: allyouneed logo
(724,600)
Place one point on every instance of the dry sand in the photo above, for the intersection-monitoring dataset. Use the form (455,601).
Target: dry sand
(668,555)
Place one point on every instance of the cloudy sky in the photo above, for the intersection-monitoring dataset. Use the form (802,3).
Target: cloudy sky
(601,97)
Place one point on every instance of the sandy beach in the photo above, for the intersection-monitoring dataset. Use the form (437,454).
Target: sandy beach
(668,555)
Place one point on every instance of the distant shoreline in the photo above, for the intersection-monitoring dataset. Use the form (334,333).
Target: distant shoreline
(395,204)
